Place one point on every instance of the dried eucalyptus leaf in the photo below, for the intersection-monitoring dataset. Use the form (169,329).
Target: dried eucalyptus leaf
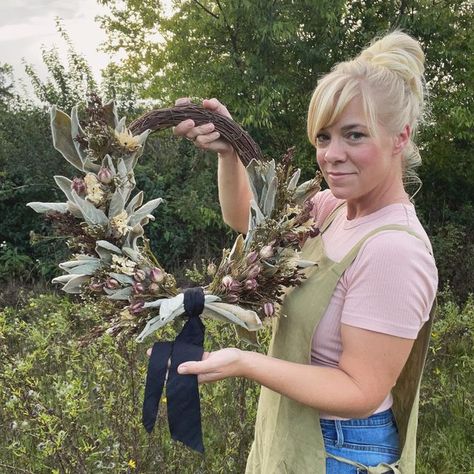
(62,140)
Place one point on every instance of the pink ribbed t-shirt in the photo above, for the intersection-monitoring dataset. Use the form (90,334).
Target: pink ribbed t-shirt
(389,288)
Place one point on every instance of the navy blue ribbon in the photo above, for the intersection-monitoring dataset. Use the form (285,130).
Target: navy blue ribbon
(182,392)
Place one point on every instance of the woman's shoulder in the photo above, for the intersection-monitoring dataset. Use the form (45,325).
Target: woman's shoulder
(324,203)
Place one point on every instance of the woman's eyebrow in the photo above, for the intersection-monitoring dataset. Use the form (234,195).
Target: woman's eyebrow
(352,125)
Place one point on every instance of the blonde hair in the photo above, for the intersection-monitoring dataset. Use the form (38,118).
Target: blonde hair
(388,76)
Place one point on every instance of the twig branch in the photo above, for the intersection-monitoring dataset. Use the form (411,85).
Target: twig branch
(206,10)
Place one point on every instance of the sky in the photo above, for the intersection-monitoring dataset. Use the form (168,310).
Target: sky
(26,25)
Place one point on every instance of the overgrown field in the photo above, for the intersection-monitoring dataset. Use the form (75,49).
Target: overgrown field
(68,408)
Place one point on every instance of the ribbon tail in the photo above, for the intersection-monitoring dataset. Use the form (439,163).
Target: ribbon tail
(155,380)
(184,408)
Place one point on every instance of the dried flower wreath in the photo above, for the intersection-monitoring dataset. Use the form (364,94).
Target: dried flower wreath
(104,224)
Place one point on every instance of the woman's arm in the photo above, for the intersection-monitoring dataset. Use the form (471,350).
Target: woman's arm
(234,188)
(369,367)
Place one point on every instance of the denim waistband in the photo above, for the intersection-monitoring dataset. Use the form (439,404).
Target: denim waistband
(381,418)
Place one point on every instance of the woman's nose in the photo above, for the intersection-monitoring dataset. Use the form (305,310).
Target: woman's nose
(335,151)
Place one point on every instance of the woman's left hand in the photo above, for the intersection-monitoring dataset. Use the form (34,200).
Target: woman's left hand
(215,366)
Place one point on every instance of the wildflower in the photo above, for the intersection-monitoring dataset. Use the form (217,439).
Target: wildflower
(157,275)
(232,298)
(139,275)
(94,191)
(127,141)
(132,464)
(153,288)
(136,307)
(268,309)
(119,225)
(78,185)
(252,257)
(123,265)
(254,271)
(138,287)
(104,175)
(266,252)
(250,284)
(227,281)
(112,283)
(96,287)
(211,269)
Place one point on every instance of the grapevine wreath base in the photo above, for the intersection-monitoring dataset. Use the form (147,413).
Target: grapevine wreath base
(111,258)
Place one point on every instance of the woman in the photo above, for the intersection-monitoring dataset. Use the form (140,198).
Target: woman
(359,322)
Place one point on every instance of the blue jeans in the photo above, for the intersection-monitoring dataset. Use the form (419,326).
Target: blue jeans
(368,441)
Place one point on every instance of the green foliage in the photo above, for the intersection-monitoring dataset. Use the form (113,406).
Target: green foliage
(446,434)
(186,179)
(77,409)
(65,86)
(72,408)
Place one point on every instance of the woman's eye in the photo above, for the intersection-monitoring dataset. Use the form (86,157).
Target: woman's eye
(321,138)
(356,135)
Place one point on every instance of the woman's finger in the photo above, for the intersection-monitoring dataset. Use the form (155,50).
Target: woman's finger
(182,101)
(216,106)
(204,140)
(184,127)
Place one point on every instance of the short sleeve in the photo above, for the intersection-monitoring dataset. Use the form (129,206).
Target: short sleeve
(391,285)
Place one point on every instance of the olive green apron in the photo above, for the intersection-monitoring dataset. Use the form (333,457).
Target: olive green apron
(288,436)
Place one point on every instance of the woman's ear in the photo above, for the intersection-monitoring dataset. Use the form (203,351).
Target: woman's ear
(401,140)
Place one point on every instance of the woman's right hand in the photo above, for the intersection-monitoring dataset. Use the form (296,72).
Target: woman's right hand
(205,136)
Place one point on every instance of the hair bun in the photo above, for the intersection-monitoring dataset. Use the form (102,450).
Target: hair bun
(401,54)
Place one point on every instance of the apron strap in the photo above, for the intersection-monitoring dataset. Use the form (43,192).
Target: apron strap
(381,468)
(332,215)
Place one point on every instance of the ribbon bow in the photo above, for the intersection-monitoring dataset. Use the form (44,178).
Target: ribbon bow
(182,393)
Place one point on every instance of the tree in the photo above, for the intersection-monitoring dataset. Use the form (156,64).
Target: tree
(65,86)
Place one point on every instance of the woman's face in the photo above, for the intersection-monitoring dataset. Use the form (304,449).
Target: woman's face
(359,168)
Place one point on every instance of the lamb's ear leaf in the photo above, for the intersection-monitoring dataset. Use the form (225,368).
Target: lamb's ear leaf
(65,185)
(62,140)
(42,207)
(76,131)
(110,114)
(294,180)
(74,284)
(91,214)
